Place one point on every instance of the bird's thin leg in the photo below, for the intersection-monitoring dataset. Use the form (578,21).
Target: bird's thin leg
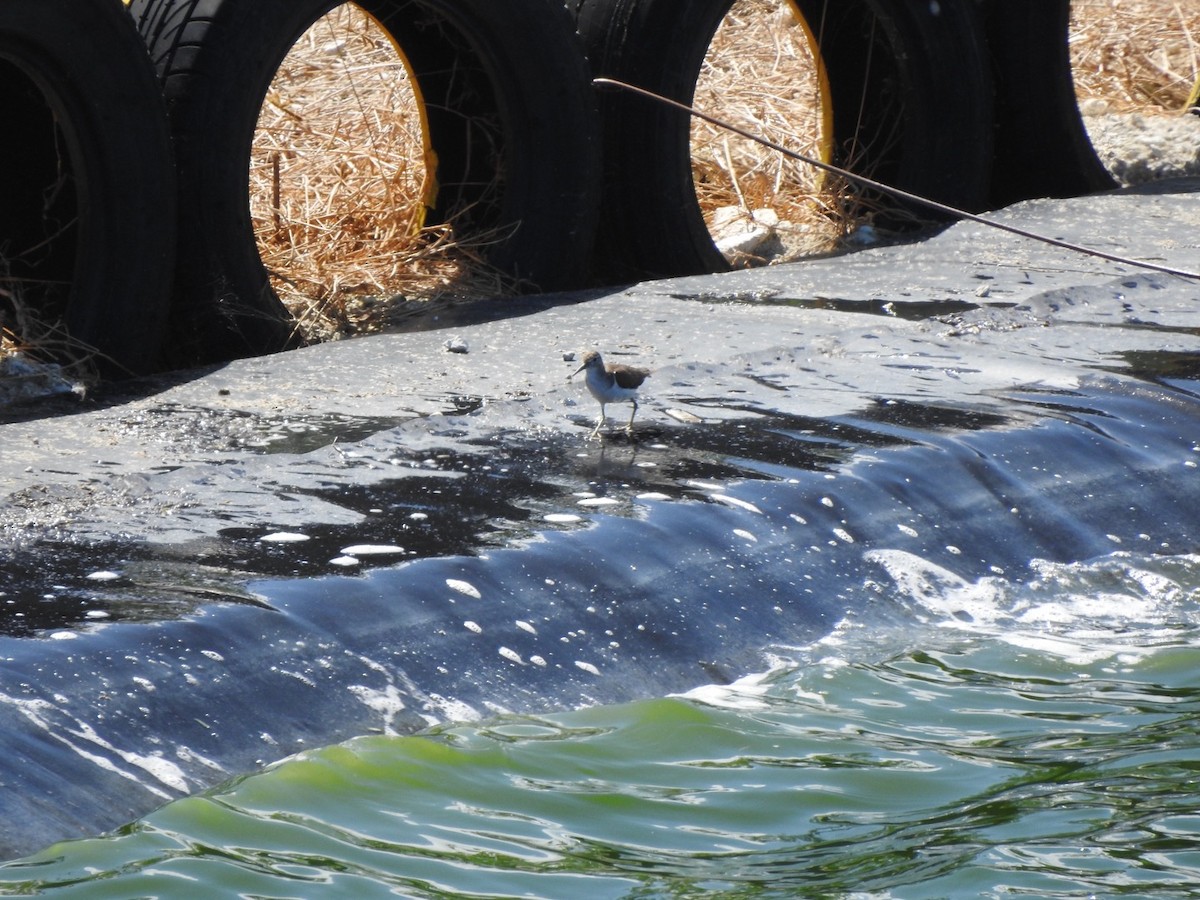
(599,422)
(629,427)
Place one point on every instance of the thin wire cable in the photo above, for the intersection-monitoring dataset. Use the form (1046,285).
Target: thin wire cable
(895,191)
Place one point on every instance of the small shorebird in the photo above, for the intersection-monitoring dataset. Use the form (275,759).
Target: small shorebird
(611,384)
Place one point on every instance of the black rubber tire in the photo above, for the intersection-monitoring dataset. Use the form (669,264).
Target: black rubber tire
(909,86)
(85,142)
(508,101)
(1042,146)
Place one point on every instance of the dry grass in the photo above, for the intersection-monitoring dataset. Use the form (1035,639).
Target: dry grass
(15,321)
(339,181)
(1131,55)
(761,74)
(27,332)
(1136,55)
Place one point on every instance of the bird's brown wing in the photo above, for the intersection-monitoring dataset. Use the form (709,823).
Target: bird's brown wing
(629,377)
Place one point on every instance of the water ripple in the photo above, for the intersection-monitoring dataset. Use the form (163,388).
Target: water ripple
(910,761)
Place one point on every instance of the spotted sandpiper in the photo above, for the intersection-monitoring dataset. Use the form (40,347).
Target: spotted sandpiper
(611,384)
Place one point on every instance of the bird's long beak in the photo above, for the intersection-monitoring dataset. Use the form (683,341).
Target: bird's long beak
(577,371)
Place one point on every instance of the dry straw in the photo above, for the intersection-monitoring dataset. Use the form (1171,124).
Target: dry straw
(1136,55)
(26,330)
(761,75)
(338,181)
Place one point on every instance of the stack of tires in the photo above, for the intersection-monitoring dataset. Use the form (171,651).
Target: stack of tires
(967,102)
(124,181)
(87,188)
(511,120)
(125,173)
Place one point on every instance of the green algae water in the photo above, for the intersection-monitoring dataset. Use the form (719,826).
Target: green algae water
(954,739)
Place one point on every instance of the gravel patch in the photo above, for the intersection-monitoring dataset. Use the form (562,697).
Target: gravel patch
(1137,148)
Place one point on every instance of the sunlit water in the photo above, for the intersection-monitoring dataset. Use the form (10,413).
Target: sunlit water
(956,739)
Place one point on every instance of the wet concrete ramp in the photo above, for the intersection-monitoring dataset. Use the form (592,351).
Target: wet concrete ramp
(206,574)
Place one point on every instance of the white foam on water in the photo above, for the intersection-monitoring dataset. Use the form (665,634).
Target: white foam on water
(736,502)
(464,587)
(162,770)
(753,692)
(843,535)
(511,655)
(299,676)
(1119,606)
(188,755)
(746,693)
(387,701)
(372,550)
(447,709)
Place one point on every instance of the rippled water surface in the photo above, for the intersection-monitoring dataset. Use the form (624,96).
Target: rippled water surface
(958,739)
